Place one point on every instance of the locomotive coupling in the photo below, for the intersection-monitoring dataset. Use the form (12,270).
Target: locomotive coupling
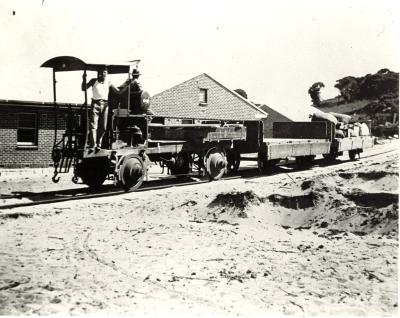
(56,154)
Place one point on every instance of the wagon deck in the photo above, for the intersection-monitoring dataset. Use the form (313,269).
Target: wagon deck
(280,148)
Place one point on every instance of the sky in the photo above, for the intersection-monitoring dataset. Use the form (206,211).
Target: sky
(274,50)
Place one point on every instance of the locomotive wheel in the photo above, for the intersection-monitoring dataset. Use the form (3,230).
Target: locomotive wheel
(75,179)
(182,164)
(215,164)
(93,172)
(197,162)
(131,173)
(233,159)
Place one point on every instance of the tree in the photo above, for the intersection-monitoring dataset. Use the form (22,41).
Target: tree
(314,92)
(241,92)
(349,88)
(370,86)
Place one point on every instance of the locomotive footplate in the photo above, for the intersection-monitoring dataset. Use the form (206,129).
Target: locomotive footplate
(93,153)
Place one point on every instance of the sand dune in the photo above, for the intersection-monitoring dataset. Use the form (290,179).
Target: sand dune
(322,241)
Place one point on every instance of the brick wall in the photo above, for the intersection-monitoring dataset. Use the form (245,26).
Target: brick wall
(183,101)
(14,156)
(273,116)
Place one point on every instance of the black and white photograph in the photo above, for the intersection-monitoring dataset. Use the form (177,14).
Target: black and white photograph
(199,158)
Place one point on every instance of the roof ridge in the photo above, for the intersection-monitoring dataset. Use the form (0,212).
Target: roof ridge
(275,110)
(237,95)
(172,87)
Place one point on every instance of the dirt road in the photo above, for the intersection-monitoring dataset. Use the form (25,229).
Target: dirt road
(321,241)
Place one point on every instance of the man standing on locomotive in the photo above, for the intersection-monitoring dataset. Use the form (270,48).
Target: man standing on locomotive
(98,113)
(138,103)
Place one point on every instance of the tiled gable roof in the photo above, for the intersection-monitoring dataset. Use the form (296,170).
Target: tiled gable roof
(274,113)
(182,101)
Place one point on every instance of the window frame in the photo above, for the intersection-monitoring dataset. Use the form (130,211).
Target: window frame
(186,121)
(34,130)
(203,101)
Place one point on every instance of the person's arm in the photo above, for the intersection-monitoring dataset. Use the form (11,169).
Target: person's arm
(89,84)
(121,90)
(136,85)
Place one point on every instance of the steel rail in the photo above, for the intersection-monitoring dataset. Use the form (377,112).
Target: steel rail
(178,183)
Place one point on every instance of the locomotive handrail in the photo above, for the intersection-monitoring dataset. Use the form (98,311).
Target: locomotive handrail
(184,125)
(167,141)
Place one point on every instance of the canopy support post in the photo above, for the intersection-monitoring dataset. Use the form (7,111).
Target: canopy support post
(55,106)
(84,73)
(129,92)
(54,87)
(56,151)
(86,111)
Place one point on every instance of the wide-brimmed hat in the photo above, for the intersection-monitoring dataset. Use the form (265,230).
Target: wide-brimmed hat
(135,72)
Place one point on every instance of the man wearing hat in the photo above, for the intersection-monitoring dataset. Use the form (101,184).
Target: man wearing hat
(135,85)
(139,99)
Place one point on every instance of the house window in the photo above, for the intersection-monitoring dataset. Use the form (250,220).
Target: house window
(27,129)
(203,96)
(187,121)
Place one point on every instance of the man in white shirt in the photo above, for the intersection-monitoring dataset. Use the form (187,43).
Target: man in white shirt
(98,113)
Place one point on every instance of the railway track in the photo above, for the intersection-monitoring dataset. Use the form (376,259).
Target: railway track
(110,190)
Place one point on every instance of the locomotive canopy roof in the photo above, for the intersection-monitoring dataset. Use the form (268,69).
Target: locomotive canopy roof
(71,63)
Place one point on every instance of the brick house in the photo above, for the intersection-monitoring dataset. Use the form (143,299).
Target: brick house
(273,116)
(27,128)
(27,132)
(202,98)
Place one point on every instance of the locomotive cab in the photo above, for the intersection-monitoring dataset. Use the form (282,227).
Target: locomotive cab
(71,149)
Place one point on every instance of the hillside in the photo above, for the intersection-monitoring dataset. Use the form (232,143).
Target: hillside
(372,97)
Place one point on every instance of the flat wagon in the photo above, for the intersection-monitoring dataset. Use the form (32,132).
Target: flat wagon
(304,141)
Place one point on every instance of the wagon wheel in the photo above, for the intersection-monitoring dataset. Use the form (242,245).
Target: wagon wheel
(93,172)
(182,164)
(233,159)
(330,156)
(215,163)
(304,161)
(265,165)
(131,173)
(352,154)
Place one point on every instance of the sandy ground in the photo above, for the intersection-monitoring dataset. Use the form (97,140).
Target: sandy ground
(317,242)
